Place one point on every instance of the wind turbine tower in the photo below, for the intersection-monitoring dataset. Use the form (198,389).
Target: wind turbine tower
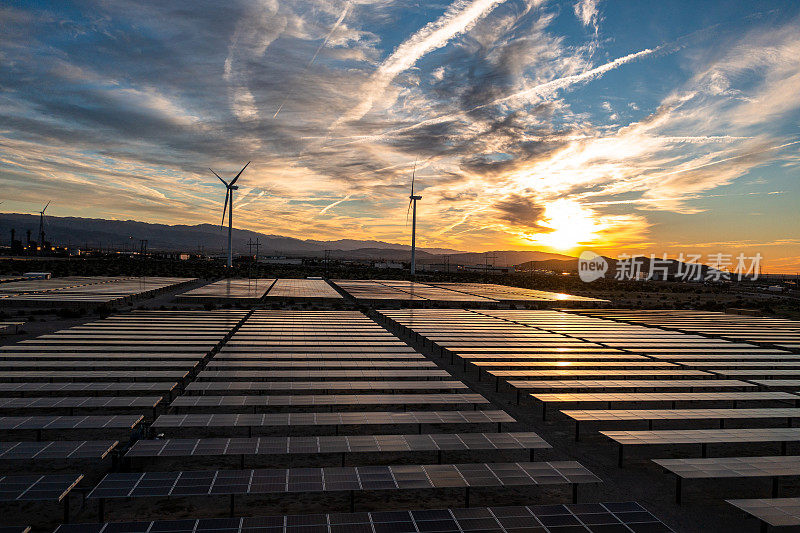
(229,188)
(412,201)
(41,226)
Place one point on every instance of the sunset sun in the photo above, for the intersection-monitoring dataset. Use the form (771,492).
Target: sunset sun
(571,224)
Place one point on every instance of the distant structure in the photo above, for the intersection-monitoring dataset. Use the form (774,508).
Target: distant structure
(41,227)
(230,187)
(412,201)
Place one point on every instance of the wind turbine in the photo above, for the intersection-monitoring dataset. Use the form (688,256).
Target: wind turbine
(412,200)
(230,187)
(41,226)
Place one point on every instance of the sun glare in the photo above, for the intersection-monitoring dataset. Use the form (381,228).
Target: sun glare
(572,225)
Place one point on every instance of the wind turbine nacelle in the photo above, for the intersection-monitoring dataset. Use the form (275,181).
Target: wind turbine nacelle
(415,197)
(234,187)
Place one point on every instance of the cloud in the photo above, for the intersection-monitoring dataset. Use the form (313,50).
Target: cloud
(521,211)
(588,13)
(256,30)
(459,17)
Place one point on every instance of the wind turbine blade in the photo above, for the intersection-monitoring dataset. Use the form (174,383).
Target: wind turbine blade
(413,175)
(220,179)
(45,207)
(239,174)
(408,211)
(227,194)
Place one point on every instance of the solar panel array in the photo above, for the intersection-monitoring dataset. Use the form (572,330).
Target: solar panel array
(589,518)
(255,382)
(336,444)
(692,361)
(269,375)
(229,290)
(64,386)
(28,451)
(37,487)
(84,290)
(461,293)
(777,512)
(306,289)
(395,477)
(347,418)
(772,331)
(507,293)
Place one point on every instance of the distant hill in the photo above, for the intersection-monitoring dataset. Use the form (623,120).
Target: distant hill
(120,234)
(506,257)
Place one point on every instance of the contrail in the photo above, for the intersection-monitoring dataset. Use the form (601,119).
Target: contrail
(550,86)
(319,48)
(459,17)
(566,81)
(725,160)
(334,204)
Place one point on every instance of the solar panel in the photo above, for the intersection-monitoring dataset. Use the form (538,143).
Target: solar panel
(86,449)
(182,358)
(331,419)
(302,288)
(69,375)
(323,385)
(777,512)
(713,467)
(300,374)
(791,383)
(228,290)
(9,423)
(406,354)
(218,364)
(324,399)
(662,396)
(673,397)
(92,290)
(400,477)
(730,467)
(37,487)
(680,414)
(628,384)
(337,444)
(95,364)
(268,352)
(78,402)
(703,436)
(592,518)
(95,387)
(604,374)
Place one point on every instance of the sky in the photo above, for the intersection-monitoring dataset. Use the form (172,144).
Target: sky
(621,127)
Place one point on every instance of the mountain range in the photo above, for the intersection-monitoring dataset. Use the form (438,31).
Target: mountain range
(127,234)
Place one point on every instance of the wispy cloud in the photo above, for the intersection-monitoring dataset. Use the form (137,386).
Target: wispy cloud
(588,13)
(459,17)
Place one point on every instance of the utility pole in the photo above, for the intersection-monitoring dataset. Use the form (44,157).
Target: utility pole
(327,260)
(251,244)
